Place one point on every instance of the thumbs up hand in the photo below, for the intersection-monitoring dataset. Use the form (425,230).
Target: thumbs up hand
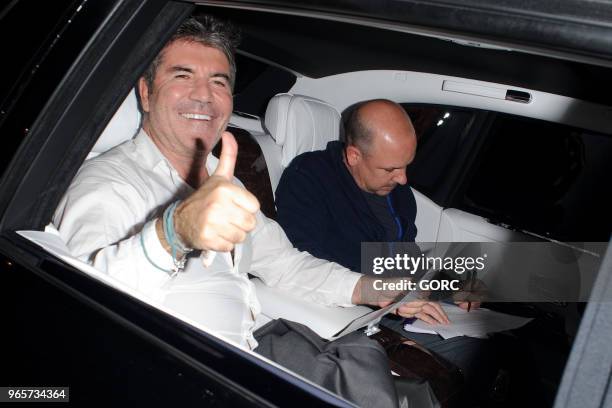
(219,214)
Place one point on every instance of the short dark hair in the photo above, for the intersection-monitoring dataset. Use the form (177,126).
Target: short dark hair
(206,30)
(356,133)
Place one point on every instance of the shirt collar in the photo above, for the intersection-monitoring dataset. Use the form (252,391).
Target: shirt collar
(153,158)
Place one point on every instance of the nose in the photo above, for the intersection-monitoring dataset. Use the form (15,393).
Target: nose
(400,177)
(201,91)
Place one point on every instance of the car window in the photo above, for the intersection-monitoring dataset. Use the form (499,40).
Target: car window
(440,131)
(256,83)
(545,178)
(43,48)
(14,18)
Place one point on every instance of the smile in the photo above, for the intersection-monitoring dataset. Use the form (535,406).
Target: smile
(196,116)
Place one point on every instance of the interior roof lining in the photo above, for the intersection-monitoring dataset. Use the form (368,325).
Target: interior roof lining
(298,45)
(468,39)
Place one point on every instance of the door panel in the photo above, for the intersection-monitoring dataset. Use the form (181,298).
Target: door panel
(427,218)
(460,226)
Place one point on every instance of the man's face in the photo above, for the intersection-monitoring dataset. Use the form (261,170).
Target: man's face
(190,102)
(383,167)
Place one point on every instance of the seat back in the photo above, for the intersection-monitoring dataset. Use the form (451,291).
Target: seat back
(123,126)
(251,168)
(298,124)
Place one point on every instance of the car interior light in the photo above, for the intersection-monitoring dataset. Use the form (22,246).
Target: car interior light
(474,89)
(486,91)
(518,96)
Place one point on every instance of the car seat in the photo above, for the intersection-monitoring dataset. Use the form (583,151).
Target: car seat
(297,124)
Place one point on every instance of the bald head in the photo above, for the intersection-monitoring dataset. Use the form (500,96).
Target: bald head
(378,120)
(381,142)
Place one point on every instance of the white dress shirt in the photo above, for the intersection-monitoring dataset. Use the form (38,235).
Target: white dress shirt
(115,198)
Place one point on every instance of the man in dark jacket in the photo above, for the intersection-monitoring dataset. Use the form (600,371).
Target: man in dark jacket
(329,202)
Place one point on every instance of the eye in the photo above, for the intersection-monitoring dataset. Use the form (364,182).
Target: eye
(182,76)
(219,82)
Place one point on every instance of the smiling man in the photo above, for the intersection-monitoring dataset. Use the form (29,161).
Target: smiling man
(145,210)
(164,216)
(187,104)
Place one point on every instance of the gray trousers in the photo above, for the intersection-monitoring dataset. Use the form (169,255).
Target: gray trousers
(354,366)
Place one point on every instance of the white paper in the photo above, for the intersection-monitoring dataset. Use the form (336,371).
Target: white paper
(475,323)
(413,328)
(373,318)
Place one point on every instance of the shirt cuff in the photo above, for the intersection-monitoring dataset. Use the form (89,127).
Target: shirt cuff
(347,287)
(155,251)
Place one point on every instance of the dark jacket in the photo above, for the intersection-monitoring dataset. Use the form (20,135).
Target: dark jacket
(324,212)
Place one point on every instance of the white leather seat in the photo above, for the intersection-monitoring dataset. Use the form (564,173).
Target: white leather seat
(122,126)
(297,124)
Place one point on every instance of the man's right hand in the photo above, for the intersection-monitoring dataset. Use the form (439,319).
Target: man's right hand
(428,311)
(423,309)
(219,214)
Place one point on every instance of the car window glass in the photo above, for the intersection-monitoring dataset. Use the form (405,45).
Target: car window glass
(440,132)
(544,178)
(33,30)
(256,83)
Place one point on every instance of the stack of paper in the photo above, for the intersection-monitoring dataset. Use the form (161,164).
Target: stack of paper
(475,323)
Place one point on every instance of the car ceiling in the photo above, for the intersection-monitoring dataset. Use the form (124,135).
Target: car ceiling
(318,47)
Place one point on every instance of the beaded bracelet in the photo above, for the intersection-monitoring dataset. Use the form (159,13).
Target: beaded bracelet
(180,245)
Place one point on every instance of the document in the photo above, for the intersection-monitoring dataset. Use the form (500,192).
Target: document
(371,320)
(475,323)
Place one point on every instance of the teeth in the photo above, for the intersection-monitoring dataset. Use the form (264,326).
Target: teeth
(195,116)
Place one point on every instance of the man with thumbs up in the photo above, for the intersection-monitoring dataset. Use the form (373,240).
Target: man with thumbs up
(164,216)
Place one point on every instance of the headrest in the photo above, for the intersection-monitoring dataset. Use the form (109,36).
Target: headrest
(301,124)
(122,126)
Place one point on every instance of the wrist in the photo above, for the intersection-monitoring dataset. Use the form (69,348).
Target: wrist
(178,249)
(181,244)
(356,297)
(159,229)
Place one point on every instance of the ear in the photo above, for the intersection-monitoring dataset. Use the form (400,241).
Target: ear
(143,90)
(353,155)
